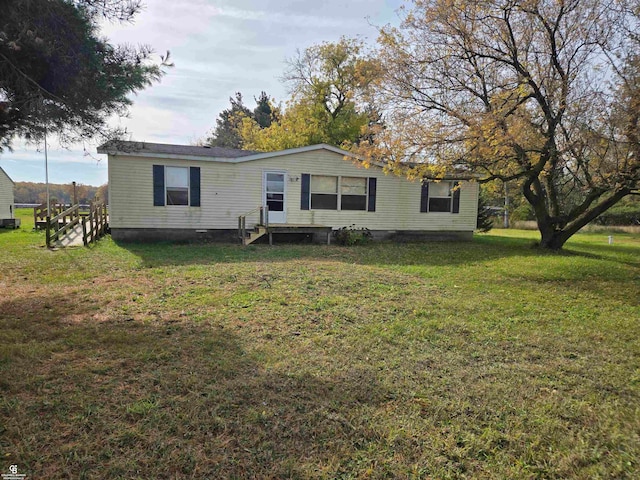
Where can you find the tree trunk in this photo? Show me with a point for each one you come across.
(553, 239)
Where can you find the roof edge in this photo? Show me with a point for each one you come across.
(109, 150)
(7, 175)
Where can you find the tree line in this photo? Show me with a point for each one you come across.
(31, 192)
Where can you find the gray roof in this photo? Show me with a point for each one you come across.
(122, 146)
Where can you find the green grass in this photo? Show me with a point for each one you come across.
(487, 359)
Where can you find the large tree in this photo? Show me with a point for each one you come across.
(227, 130)
(57, 74)
(330, 86)
(544, 92)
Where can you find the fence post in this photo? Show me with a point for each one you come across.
(48, 234)
(91, 222)
(84, 232)
(97, 214)
(103, 210)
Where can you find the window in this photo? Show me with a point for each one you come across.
(324, 192)
(327, 192)
(353, 193)
(440, 197)
(176, 186)
(177, 182)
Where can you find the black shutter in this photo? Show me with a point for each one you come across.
(194, 186)
(456, 198)
(158, 185)
(424, 197)
(371, 204)
(305, 194)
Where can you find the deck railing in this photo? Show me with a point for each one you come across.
(59, 225)
(263, 220)
(41, 212)
(94, 224)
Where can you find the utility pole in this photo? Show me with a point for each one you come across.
(46, 173)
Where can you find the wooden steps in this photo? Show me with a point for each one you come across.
(259, 231)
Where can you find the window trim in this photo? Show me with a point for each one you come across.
(166, 187)
(338, 193)
(365, 194)
(160, 190)
(449, 197)
(453, 197)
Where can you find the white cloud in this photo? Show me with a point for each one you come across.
(219, 47)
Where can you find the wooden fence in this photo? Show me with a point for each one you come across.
(61, 223)
(94, 225)
(41, 212)
(94, 222)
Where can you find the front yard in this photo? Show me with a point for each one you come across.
(439, 360)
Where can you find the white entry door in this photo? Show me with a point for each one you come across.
(274, 195)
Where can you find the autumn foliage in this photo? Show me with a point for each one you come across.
(541, 92)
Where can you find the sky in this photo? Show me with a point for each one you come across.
(218, 47)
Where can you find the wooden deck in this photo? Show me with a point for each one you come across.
(259, 231)
(72, 238)
(68, 228)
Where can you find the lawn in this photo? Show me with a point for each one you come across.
(486, 359)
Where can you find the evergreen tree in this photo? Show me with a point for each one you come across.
(58, 74)
(226, 133)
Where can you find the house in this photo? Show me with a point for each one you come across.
(7, 205)
(160, 192)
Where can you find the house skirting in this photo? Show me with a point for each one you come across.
(175, 235)
(403, 236)
(148, 235)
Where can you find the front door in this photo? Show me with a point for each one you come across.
(274, 195)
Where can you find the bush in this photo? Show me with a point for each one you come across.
(484, 222)
(623, 215)
(352, 236)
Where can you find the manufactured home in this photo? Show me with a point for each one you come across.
(160, 192)
(7, 205)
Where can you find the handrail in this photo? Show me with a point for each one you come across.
(67, 212)
(40, 212)
(57, 231)
(251, 211)
(242, 221)
(95, 223)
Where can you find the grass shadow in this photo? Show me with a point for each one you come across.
(114, 398)
(378, 253)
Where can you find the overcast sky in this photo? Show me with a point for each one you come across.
(218, 47)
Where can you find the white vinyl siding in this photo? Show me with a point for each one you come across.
(231, 189)
(6, 196)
